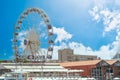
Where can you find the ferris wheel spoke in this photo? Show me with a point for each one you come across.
(31, 38)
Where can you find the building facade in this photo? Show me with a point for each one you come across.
(114, 69)
(37, 71)
(67, 55)
(98, 69)
(84, 57)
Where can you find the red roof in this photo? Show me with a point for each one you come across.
(111, 62)
(80, 63)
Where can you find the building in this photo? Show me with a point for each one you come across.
(84, 57)
(39, 70)
(114, 69)
(98, 69)
(67, 55)
(3, 69)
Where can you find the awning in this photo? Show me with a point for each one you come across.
(2, 67)
(50, 70)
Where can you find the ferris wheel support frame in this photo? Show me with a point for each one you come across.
(17, 27)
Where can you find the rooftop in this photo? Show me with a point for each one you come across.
(111, 62)
(80, 63)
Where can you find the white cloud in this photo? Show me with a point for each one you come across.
(55, 52)
(62, 35)
(94, 13)
(111, 21)
(21, 38)
(78, 48)
(104, 52)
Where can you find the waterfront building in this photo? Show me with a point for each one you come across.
(98, 69)
(41, 71)
(67, 55)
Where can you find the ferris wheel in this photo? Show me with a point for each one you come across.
(29, 39)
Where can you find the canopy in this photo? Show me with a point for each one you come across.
(2, 67)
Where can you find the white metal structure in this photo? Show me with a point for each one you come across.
(31, 39)
(50, 71)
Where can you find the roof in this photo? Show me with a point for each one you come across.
(2, 67)
(48, 67)
(34, 67)
(111, 62)
(45, 70)
(80, 63)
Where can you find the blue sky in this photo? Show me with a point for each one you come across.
(88, 27)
